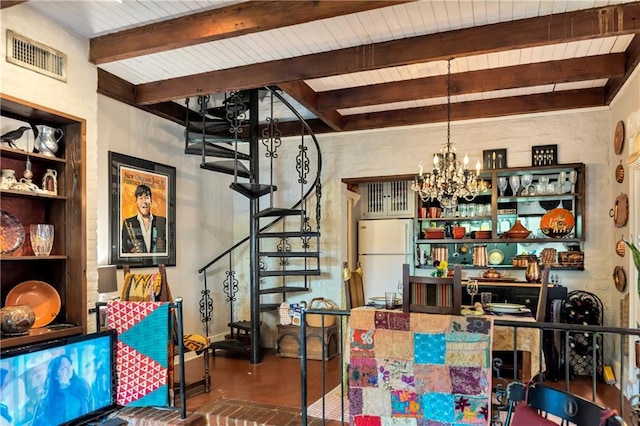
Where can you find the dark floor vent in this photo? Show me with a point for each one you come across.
(36, 56)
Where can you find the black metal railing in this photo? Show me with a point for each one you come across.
(614, 337)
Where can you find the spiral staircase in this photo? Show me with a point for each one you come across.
(284, 225)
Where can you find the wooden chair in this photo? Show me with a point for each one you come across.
(354, 289)
(550, 401)
(154, 287)
(543, 296)
(429, 294)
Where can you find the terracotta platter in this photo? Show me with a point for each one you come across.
(39, 296)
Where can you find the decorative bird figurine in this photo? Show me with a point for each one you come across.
(14, 135)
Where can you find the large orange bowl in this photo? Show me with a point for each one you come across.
(41, 297)
(557, 223)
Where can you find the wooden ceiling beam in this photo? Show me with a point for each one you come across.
(300, 91)
(551, 29)
(231, 21)
(518, 76)
(632, 59)
(544, 102)
(123, 91)
(8, 3)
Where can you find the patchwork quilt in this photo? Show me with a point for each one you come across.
(142, 352)
(419, 369)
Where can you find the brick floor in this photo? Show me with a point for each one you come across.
(230, 412)
(148, 416)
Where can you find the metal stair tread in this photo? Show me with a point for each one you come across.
(277, 212)
(264, 307)
(210, 127)
(230, 345)
(289, 254)
(227, 167)
(240, 325)
(283, 289)
(225, 139)
(212, 150)
(290, 273)
(253, 190)
(289, 234)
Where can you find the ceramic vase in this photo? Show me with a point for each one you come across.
(8, 178)
(50, 181)
(16, 320)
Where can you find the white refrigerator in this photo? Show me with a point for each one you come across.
(383, 246)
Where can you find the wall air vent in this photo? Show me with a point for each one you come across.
(36, 56)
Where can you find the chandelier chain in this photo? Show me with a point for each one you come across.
(450, 179)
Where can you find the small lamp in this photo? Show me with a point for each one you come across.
(107, 279)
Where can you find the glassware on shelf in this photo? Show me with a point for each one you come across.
(562, 179)
(526, 181)
(472, 289)
(41, 238)
(514, 181)
(573, 178)
(502, 184)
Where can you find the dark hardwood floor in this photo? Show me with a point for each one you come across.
(276, 381)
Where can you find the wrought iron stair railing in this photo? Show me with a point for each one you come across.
(234, 132)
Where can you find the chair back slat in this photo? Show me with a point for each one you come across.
(417, 292)
(564, 405)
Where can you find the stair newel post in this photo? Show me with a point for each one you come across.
(254, 208)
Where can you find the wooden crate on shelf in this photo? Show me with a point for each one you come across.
(571, 258)
(289, 342)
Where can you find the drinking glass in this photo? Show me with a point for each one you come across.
(514, 181)
(41, 235)
(485, 298)
(573, 178)
(526, 181)
(502, 184)
(472, 289)
(562, 179)
(390, 300)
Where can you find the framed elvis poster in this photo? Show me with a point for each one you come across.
(142, 203)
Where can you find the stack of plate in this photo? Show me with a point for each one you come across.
(378, 301)
(505, 308)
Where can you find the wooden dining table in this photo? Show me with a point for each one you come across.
(527, 342)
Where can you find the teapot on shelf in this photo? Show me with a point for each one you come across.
(25, 185)
(492, 273)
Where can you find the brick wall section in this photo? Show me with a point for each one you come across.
(229, 412)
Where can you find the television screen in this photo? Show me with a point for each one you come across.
(65, 381)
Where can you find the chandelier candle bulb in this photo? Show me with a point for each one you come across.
(466, 161)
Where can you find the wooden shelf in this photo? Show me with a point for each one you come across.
(19, 154)
(35, 335)
(28, 194)
(65, 270)
(27, 258)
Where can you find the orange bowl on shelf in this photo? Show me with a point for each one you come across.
(557, 223)
(458, 232)
(434, 234)
(41, 297)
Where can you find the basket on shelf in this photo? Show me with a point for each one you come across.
(315, 320)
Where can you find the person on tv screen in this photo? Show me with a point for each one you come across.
(144, 232)
(67, 394)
